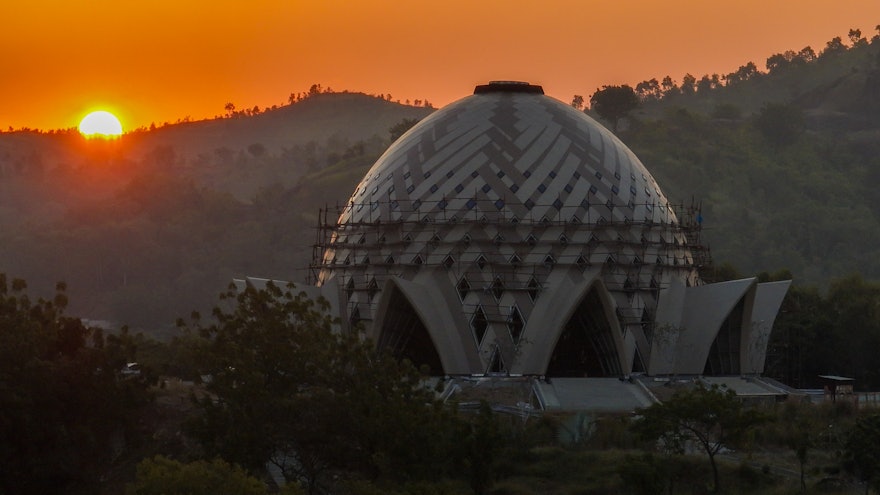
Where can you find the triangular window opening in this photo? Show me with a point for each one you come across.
(638, 363)
(582, 262)
(435, 238)
(479, 325)
(533, 289)
(498, 288)
(647, 325)
(407, 238)
(363, 239)
(499, 239)
(466, 239)
(549, 260)
(355, 317)
(575, 220)
(531, 240)
(389, 260)
(347, 260)
(349, 288)
(563, 239)
(463, 288)
(372, 289)
(366, 260)
(496, 363)
(417, 260)
(515, 324)
(448, 261)
(545, 220)
(515, 260)
(610, 260)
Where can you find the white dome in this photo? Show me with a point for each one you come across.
(508, 232)
(508, 152)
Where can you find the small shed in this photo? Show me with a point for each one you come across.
(835, 386)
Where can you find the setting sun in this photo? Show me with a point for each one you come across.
(100, 124)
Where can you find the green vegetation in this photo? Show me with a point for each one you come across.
(711, 418)
(64, 403)
(333, 416)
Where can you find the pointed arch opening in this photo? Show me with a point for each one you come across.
(724, 355)
(405, 336)
(586, 346)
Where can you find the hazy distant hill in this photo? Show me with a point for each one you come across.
(786, 165)
(343, 116)
(150, 227)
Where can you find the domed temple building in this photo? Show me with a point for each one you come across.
(511, 235)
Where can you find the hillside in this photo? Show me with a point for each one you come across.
(146, 229)
(784, 164)
(346, 117)
(152, 226)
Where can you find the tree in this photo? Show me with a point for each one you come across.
(780, 124)
(648, 90)
(614, 102)
(807, 54)
(744, 73)
(855, 37)
(668, 87)
(833, 46)
(400, 128)
(230, 109)
(161, 476)
(62, 397)
(688, 84)
(577, 101)
(799, 426)
(710, 417)
(288, 388)
(862, 451)
(481, 443)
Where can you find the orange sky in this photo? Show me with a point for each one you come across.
(162, 60)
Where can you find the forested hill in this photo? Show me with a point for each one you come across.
(144, 230)
(786, 161)
(149, 227)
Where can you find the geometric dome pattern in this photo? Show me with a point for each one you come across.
(509, 155)
(511, 233)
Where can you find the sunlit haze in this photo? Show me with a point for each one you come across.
(171, 60)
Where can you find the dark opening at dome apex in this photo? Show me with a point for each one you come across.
(508, 87)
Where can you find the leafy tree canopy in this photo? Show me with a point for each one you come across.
(862, 451)
(288, 388)
(709, 417)
(61, 394)
(614, 102)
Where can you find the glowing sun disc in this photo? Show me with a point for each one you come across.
(100, 124)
